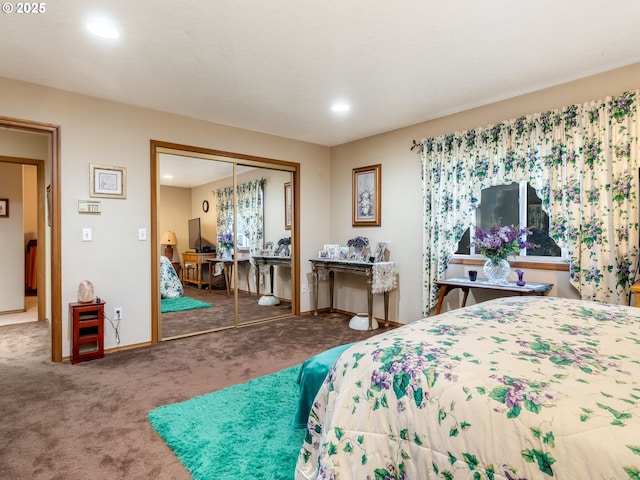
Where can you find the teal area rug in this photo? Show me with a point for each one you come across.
(181, 303)
(241, 432)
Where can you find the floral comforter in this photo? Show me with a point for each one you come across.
(170, 284)
(514, 388)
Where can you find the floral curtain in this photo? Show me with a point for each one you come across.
(582, 161)
(250, 198)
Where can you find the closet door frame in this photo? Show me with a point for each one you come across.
(156, 148)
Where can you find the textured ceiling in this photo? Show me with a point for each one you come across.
(276, 66)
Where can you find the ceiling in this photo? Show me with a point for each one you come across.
(277, 66)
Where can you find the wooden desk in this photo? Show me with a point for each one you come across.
(465, 284)
(270, 261)
(196, 259)
(635, 288)
(227, 270)
(357, 268)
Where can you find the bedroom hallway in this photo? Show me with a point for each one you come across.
(29, 315)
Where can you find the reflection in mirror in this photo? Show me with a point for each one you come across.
(186, 207)
(198, 192)
(264, 270)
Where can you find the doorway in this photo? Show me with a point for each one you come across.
(231, 286)
(48, 225)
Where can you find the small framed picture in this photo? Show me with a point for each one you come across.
(366, 196)
(333, 250)
(107, 181)
(323, 254)
(288, 211)
(4, 207)
(344, 253)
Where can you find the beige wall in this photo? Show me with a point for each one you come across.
(402, 194)
(174, 211)
(101, 132)
(12, 240)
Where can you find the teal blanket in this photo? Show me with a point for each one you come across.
(310, 378)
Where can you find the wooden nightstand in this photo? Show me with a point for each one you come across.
(635, 288)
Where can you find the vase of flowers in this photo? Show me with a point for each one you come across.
(497, 244)
(225, 246)
(284, 247)
(358, 244)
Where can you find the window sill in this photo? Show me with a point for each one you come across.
(557, 266)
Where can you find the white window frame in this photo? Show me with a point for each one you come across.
(522, 214)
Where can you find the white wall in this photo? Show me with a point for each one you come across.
(12, 240)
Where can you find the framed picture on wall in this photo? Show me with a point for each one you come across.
(366, 196)
(107, 181)
(288, 212)
(4, 207)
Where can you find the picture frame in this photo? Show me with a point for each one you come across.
(323, 254)
(4, 207)
(107, 181)
(366, 203)
(332, 250)
(288, 213)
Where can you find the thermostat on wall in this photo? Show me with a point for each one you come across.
(89, 206)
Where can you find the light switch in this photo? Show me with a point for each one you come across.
(86, 234)
(142, 234)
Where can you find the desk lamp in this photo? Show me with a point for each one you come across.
(169, 239)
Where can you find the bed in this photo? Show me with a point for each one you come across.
(514, 388)
(170, 284)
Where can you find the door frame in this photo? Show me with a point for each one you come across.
(157, 147)
(54, 246)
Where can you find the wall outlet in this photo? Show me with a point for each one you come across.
(117, 313)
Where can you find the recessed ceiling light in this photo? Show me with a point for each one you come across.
(168, 176)
(341, 107)
(103, 29)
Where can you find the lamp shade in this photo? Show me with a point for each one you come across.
(169, 238)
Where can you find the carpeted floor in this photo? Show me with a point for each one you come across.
(69, 422)
(242, 431)
(219, 315)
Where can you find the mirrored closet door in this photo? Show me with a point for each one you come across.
(228, 221)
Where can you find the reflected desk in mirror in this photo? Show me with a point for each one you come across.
(227, 270)
(192, 270)
(263, 261)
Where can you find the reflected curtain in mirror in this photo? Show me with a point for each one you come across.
(250, 211)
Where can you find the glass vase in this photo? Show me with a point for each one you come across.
(497, 271)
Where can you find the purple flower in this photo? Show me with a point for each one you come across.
(500, 242)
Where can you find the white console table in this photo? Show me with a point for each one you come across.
(370, 270)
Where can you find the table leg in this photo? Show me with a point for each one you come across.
(444, 289)
(370, 306)
(247, 267)
(386, 309)
(315, 291)
(464, 297)
(258, 279)
(225, 272)
(331, 282)
(271, 277)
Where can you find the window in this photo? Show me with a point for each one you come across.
(514, 204)
(243, 240)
